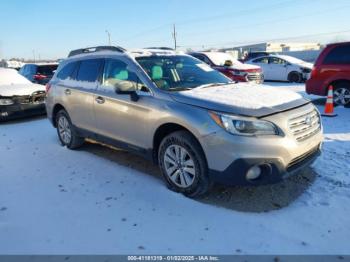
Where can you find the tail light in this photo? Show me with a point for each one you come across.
(48, 87)
(313, 72)
(39, 77)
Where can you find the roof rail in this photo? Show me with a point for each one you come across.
(161, 48)
(96, 49)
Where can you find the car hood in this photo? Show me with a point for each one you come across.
(241, 99)
(20, 89)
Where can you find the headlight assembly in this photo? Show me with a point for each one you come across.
(6, 101)
(244, 126)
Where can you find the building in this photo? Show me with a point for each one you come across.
(274, 47)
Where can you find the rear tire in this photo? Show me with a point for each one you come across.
(295, 77)
(66, 131)
(341, 94)
(183, 164)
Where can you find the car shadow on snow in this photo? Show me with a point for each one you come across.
(238, 198)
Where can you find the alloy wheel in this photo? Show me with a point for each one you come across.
(179, 166)
(342, 96)
(64, 130)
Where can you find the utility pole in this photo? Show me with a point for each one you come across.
(174, 36)
(109, 37)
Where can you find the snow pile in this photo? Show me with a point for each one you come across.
(244, 95)
(11, 77)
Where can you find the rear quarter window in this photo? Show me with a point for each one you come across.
(47, 69)
(90, 70)
(338, 55)
(67, 71)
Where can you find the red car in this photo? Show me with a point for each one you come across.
(232, 68)
(332, 67)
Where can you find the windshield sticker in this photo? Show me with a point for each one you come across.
(205, 67)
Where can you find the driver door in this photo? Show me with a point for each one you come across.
(119, 117)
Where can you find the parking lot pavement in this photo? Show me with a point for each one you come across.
(99, 200)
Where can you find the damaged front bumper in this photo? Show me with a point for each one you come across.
(23, 106)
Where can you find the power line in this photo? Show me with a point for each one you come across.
(216, 17)
(266, 22)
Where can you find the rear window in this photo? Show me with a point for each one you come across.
(67, 71)
(46, 69)
(89, 70)
(338, 55)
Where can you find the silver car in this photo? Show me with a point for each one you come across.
(191, 120)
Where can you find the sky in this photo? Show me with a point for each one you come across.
(50, 29)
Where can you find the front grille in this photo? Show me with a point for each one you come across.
(305, 125)
(300, 160)
(254, 77)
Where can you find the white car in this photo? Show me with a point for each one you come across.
(18, 96)
(283, 68)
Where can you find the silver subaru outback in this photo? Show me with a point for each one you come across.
(196, 124)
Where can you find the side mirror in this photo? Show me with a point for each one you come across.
(120, 90)
(228, 63)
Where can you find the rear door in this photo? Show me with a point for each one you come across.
(78, 91)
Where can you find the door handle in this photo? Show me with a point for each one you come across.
(67, 92)
(100, 100)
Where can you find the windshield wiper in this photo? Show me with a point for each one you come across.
(211, 85)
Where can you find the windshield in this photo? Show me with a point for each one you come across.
(179, 72)
(219, 58)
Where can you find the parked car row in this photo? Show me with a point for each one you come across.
(187, 113)
(199, 126)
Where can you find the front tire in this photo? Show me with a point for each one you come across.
(341, 94)
(66, 132)
(295, 77)
(183, 164)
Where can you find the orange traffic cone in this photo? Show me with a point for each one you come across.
(329, 107)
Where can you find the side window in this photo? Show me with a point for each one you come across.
(67, 71)
(277, 61)
(262, 60)
(203, 58)
(89, 70)
(118, 75)
(338, 55)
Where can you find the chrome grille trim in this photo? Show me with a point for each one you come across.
(305, 126)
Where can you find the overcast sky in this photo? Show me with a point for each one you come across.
(49, 29)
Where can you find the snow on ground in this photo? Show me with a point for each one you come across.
(99, 201)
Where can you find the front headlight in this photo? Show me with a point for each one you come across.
(244, 126)
(305, 70)
(6, 102)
